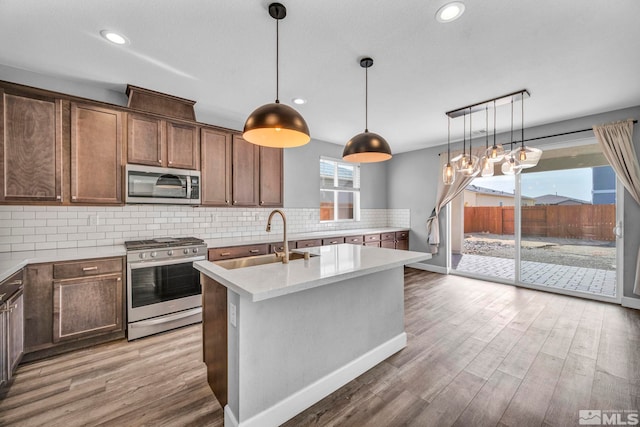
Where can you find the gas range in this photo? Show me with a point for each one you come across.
(163, 248)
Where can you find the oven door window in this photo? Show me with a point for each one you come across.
(152, 285)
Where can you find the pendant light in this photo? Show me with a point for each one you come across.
(473, 164)
(487, 165)
(448, 171)
(527, 156)
(276, 125)
(366, 147)
(511, 165)
(496, 152)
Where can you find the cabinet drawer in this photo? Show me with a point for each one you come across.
(391, 244)
(371, 238)
(216, 254)
(94, 267)
(402, 235)
(333, 241)
(388, 236)
(308, 243)
(354, 240)
(374, 244)
(278, 247)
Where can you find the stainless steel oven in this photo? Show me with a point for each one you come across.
(163, 288)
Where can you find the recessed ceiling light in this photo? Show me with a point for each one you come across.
(299, 101)
(450, 12)
(114, 37)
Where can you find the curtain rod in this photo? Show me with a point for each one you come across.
(562, 134)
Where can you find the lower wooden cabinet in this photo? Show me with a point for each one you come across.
(70, 305)
(217, 254)
(86, 306)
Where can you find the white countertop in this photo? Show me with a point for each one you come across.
(334, 263)
(10, 262)
(277, 236)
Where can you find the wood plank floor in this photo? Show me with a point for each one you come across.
(479, 354)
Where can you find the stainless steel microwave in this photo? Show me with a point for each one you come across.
(150, 184)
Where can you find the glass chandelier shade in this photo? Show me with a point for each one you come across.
(276, 125)
(488, 167)
(527, 156)
(511, 166)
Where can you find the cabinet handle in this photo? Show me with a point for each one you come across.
(15, 282)
(89, 268)
(74, 197)
(225, 254)
(261, 202)
(159, 160)
(254, 251)
(235, 202)
(9, 309)
(119, 279)
(226, 201)
(354, 240)
(334, 242)
(58, 197)
(170, 162)
(2, 296)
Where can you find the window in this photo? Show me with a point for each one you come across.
(339, 190)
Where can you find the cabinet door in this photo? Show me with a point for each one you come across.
(270, 176)
(15, 340)
(144, 140)
(402, 244)
(391, 244)
(183, 146)
(38, 309)
(86, 306)
(215, 152)
(96, 154)
(30, 148)
(245, 161)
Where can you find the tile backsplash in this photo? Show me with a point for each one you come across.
(25, 228)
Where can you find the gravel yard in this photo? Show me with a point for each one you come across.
(577, 253)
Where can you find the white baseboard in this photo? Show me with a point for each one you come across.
(631, 302)
(301, 400)
(429, 267)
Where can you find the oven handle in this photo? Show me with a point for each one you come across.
(166, 319)
(145, 264)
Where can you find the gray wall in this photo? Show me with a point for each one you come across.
(302, 177)
(413, 181)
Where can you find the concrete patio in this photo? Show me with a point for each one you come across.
(590, 280)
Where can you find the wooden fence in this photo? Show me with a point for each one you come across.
(588, 222)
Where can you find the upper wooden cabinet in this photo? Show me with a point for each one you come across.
(246, 172)
(157, 142)
(30, 148)
(270, 176)
(96, 154)
(215, 167)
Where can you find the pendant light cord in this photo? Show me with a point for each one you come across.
(486, 125)
(470, 137)
(511, 144)
(494, 123)
(522, 125)
(366, 99)
(277, 61)
(464, 134)
(448, 140)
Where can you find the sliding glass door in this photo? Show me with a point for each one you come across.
(552, 227)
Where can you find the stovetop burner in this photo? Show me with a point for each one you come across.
(162, 242)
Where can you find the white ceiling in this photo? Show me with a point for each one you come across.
(576, 57)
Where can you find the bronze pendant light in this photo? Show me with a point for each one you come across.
(276, 125)
(366, 147)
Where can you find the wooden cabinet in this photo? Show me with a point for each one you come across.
(72, 304)
(215, 165)
(271, 170)
(214, 336)
(388, 240)
(372, 240)
(332, 241)
(216, 254)
(354, 240)
(87, 306)
(11, 325)
(308, 243)
(158, 142)
(246, 170)
(96, 155)
(30, 147)
(402, 240)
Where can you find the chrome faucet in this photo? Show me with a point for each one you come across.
(285, 255)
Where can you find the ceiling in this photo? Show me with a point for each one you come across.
(576, 58)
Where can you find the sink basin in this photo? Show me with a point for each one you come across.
(232, 264)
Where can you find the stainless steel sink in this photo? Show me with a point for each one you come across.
(232, 264)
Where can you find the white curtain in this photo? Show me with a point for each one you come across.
(446, 193)
(616, 140)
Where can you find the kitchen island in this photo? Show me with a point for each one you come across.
(279, 337)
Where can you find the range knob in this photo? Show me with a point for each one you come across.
(170, 252)
(142, 255)
(153, 254)
(195, 250)
(185, 251)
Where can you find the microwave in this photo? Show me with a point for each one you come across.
(151, 184)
